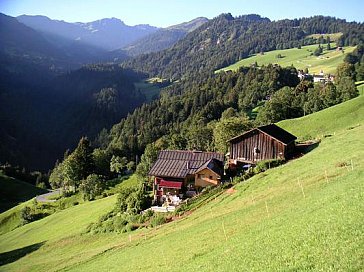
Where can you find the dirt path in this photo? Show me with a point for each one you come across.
(44, 197)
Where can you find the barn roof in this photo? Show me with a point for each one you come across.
(273, 131)
(180, 163)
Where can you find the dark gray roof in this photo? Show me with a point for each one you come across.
(214, 165)
(272, 130)
(180, 163)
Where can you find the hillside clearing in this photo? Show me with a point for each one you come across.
(333, 36)
(151, 87)
(299, 58)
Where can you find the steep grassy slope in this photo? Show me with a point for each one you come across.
(303, 216)
(11, 219)
(14, 191)
(299, 58)
(327, 122)
(59, 225)
(287, 218)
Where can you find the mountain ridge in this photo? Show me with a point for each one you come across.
(107, 33)
(164, 38)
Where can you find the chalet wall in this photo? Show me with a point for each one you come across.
(206, 177)
(265, 146)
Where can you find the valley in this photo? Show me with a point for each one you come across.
(230, 143)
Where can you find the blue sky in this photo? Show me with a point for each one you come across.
(168, 12)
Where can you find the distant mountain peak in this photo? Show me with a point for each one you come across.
(108, 33)
(111, 20)
(190, 25)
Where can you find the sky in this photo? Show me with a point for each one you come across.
(163, 13)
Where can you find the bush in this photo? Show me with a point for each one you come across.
(92, 186)
(28, 215)
(132, 200)
(120, 222)
(157, 219)
(267, 164)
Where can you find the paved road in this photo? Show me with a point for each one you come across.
(44, 197)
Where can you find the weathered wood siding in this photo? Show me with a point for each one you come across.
(265, 146)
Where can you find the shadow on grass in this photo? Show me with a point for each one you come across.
(306, 147)
(14, 255)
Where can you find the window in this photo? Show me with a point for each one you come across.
(211, 177)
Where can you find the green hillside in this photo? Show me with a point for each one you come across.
(15, 191)
(303, 216)
(299, 58)
(328, 121)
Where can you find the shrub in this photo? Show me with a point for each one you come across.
(120, 222)
(267, 164)
(28, 214)
(92, 186)
(132, 200)
(157, 219)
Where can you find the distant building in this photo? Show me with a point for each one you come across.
(321, 77)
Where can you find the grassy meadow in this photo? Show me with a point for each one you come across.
(305, 215)
(150, 88)
(299, 58)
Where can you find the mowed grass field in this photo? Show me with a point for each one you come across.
(299, 58)
(306, 215)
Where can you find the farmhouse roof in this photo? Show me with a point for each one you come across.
(273, 131)
(180, 163)
(214, 165)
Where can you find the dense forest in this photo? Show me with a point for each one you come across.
(225, 40)
(43, 118)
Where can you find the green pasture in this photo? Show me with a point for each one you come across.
(299, 58)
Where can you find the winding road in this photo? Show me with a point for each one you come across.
(44, 197)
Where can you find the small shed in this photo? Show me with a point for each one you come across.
(261, 143)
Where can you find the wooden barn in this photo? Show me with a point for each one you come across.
(261, 143)
(177, 172)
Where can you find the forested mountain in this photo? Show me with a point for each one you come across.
(225, 39)
(186, 108)
(108, 33)
(40, 121)
(163, 38)
(44, 107)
